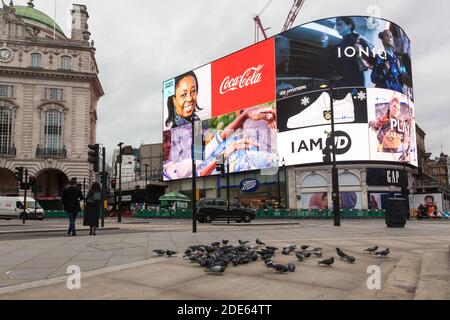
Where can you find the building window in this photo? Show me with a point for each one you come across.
(53, 130)
(66, 63)
(5, 130)
(35, 60)
(6, 91)
(54, 94)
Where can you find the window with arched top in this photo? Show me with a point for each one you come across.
(314, 181)
(66, 63)
(6, 143)
(36, 60)
(349, 179)
(53, 130)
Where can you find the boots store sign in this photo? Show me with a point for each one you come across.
(249, 185)
(275, 88)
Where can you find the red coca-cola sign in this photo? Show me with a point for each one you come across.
(244, 79)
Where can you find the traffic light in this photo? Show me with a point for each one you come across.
(221, 168)
(19, 174)
(94, 152)
(113, 183)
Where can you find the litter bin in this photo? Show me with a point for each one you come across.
(396, 212)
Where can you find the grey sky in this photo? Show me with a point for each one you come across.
(141, 43)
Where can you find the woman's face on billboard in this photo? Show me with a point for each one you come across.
(394, 109)
(185, 98)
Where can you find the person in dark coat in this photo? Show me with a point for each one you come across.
(71, 198)
(93, 207)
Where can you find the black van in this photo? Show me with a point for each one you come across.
(210, 209)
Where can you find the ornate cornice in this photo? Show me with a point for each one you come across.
(55, 74)
(49, 43)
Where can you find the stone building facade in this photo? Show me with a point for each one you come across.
(49, 89)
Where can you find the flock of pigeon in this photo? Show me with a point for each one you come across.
(215, 258)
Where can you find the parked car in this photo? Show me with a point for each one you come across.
(12, 207)
(210, 209)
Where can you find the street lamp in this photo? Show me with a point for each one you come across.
(286, 200)
(334, 170)
(146, 166)
(279, 187)
(405, 190)
(119, 215)
(194, 186)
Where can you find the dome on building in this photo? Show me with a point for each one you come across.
(29, 14)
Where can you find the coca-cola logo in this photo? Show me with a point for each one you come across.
(249, 185)
(250, 77)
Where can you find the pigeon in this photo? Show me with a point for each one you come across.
(269, 263)
(383, 253)
(160, 252)
(267, 256)
(260, 242)
(350, 259)
(217, 269)
(242, 242)
(318, 253)
(286, 251)
(291, 266)
(340, 253)
(327, 262)
(371, 249)
(304, 247)
(215, 244)
(280, 268)
(170, 253)
(271, 248)
(307, 254)
(225, 242)
(300, 256)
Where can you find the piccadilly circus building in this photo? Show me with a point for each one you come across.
(49, 89)
(279, 114)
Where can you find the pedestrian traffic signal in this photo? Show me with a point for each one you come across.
(19, 174)
(113, 183)
(94, 152)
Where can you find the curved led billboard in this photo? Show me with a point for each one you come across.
(267, 103)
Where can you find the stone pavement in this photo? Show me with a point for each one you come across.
(123, 266)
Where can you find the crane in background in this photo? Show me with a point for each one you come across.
(295, 9)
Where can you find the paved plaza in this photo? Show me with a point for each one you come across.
(119, 263)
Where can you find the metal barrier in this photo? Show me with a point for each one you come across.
(273, 214)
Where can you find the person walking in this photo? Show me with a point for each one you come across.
(71, 198)
(93, 207)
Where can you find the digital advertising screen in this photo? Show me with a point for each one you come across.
(270, 103)
(357, 51)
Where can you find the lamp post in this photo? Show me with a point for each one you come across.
(194, 186)
(146, 166)
(228, 189)
(279, 187)
(405, 190)
(334, 170)
(119, 214)
(286, 200)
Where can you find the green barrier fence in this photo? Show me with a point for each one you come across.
(263, 214)
(274, 214)
(59, 214)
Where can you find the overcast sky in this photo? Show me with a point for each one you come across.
(141, 43)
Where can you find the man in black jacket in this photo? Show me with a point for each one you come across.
(71, 198)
